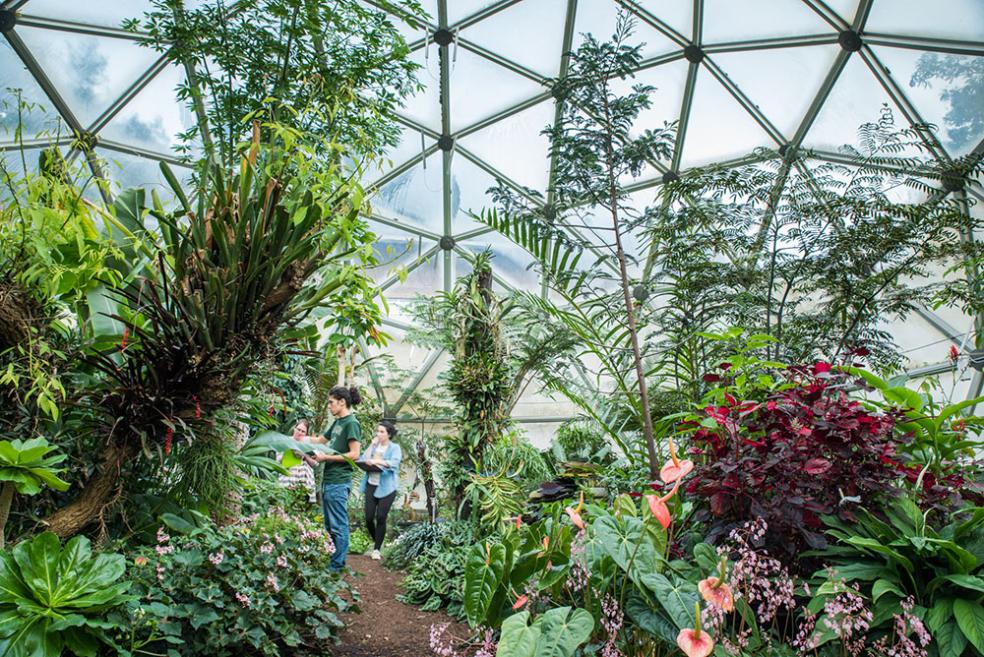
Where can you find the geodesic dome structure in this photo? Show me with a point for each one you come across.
(738, 76)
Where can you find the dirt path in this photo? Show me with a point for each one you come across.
(387, 627)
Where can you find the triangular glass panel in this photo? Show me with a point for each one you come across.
(677, 15)
(395, 251)
(89, 72)
(412, 145)
(128, 171)
(23, 101)
(725, 20)
(845, 9)
(480, 89)
(719, 128)
(600, 18)
(945, 90)
(153, 118)
(855, 100)
(509, 261)
(959, 19)
(16, 163)
(781, 82)
(530, 33)
(459, 9)
(425, 106)
(426, 276)
(515, 147)
(472, 184)
(416, 197)
(105, 14)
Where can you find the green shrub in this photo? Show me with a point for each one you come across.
(262, 585)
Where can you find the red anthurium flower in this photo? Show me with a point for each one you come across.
(519, 521)
(695, 642)
(716, 592)
(954, 353)
(675, 469)
(575, 517)
(520, 601)
(725, 366)
(712, 378)
(657, 506)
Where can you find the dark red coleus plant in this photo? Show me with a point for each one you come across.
(797, 454)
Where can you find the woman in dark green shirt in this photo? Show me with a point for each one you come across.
(343, 437)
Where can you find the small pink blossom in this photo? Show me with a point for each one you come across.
(216, 557)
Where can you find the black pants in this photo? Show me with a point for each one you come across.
(376, 511)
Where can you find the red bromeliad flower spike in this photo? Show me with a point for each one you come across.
(695, 642)
(675, 469)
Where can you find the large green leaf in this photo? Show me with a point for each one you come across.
(484, 570)
(650, 619)
(970, 618)
(677, 598)
(562, 631)
(517, 638)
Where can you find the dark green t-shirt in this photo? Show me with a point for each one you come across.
(342, 431)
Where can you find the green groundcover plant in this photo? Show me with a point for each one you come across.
(260, 586)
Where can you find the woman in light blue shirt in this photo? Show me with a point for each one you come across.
(380, 487)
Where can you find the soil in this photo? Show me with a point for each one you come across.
(387, 627)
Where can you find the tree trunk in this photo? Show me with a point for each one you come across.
(6, 497)
(97, 495)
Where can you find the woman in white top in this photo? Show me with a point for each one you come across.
(380, 487)
(301, 475)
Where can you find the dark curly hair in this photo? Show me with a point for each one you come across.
(350, 396)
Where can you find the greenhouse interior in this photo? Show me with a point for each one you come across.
(509, 328)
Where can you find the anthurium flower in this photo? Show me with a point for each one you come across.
(520, 601)
(519, 521)
(657, 506)
(575, 517)
(695, 642)
(954, 353)
(716, 592)
(675, 469)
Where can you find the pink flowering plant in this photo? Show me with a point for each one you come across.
(260, 586)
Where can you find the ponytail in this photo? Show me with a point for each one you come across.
(350, 396)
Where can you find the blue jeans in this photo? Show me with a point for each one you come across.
(334, 499)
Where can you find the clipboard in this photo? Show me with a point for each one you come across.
(367, 467)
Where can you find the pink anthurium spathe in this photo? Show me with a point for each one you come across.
(575, 514)
(520, 601)
(716, 592)
(695, 642)
(657, 505)
(675, 469)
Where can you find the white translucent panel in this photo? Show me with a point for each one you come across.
(154, 117)
(678, 15)
(411, 145)
(23, 101)
(947, 19)
(947, 90)
(16, 163)
(472, 185)
(845, 9)
(415, 197)
(719, 128)
(425, 106)
(530, 33)
(101, 12)
(480, 89)
(127, 171)
(515, 145)
(509, 261)
(667, 81)
(856, 99)
(89, 72)
(781, 82)
(395, 250)
(426, 277)
(459, 9)
(599, 18)
(726, 20)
